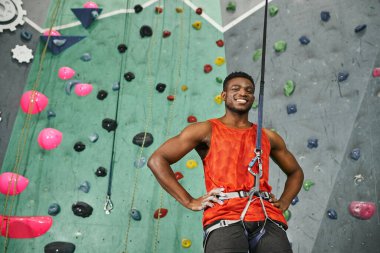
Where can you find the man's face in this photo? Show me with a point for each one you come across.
(239, 95)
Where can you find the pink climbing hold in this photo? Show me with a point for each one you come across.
(12, 183)
(66, 73)
(33, 102)
(362, 210)
(83, 89)
(49, 138)
(376, 72)
(90, 5)
(52, 33)
(23, 227)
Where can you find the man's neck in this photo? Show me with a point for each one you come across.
(236, 120)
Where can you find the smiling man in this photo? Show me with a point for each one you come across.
(235, 219)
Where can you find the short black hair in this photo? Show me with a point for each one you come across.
(237, 74)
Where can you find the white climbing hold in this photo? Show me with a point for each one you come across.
(11, 14)
(22, 54)
(358, 179)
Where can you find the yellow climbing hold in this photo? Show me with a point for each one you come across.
(186, 243)
(218, 99)
(191, 164)
(220, 61)
(197, 25)
(184, 87)
(179, 10)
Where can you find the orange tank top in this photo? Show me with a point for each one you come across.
(226, 165)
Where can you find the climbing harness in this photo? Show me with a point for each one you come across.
(255, 190)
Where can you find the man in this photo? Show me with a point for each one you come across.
(226, 146)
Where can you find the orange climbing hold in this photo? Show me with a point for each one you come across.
(184, 87)
(160, 213)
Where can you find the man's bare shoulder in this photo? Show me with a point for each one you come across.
(199, 129)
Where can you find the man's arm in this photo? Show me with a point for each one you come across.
(172, 151)
(289, 165)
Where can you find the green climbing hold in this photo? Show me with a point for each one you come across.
(307, 184)
(280, 46)
(231, 7)
(255, 105)
(273, 9)
(257, 54)
(287, 214)
(289, 88)
(218, 79)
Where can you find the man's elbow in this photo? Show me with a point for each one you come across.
(152, 162)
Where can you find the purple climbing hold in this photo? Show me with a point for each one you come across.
(79, 146)
(102, 94)
(360, 28)
(312, 143)
(362, 210)
(332, 214)
(325, 16)
(291, 108)
(295, 200)
(109, 124)
(304, 40)
(342, 76)
(101, 172)
(355, 154)
(82, 209)
(160, 87)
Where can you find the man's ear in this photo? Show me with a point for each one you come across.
(223, 95)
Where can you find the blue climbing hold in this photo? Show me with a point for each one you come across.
(85, 187)
(50, 114)
(140, 162)
(54, 209)
(135, 214)
(342, 76)
(116, 86)
(26, 35)
(295, 200)
(355, 154)
(360, 28)
(291, 108)
(304, 40)
(332, 214)
(86, 57)
(325, 16)
(312, 143)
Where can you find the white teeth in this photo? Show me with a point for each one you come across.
(241, 101)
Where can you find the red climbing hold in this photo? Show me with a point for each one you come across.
(170, 97)
(178, 175)
(199, 11)
(192, 119)
(158, 10)
(376, 72)
(220, 43)
(166, 33)
(25, 227)
(207, 68)
(160, 213)
(362, 210)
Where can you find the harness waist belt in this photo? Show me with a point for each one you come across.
(244, 194)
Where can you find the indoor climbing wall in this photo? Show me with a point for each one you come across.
(124, 76)
(322, 96)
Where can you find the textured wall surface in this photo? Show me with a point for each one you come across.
(341, 115)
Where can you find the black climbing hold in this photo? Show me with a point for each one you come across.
(160, 87)
(102, 94)
(26, 35)
(304, 40)
(325, 16)
(86, 57)
(79, 146)
(291, 108)
(360, 28)
(85, 187)
(54, 209)
(342, 76)
(139, 139)
(135, 214)
(146, 31)
(122, 48)
(109, 124)
(138, 8)
(59, 247)
(129, 76)
(355, 154)
(50, 114)
(101, 172)
(312, 143)
(82, 209)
